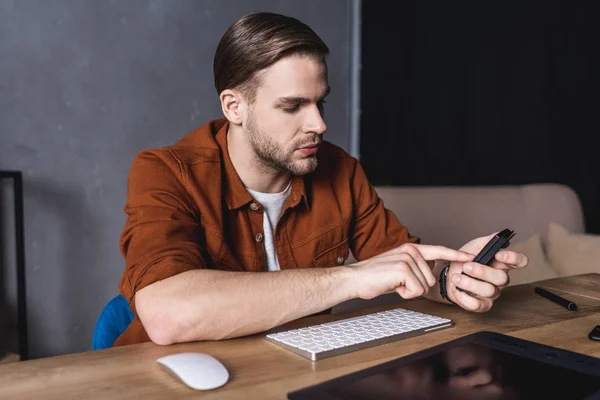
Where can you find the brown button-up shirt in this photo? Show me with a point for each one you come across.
(187, 208)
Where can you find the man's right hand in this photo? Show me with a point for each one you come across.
(405, 270)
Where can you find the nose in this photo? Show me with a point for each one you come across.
(315, 122)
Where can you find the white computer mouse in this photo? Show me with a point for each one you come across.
(197, 370)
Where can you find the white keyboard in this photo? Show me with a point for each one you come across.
(343, 336)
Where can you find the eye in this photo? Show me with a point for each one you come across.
(321, 105)
(291, 110)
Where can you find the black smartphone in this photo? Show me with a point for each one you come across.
(500, 240)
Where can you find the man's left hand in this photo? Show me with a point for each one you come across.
(482, 284)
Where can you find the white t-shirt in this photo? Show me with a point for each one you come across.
(273, 203)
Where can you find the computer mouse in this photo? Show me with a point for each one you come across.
(197, 370)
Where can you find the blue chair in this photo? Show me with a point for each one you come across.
(112, 322)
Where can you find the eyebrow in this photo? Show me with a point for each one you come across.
(301, 100)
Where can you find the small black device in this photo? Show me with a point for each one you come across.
(595, 333)
(501, 240)
(482, 365)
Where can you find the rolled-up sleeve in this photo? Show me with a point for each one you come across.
(375, 229)
(162, 235)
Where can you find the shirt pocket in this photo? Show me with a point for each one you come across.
(335, 255)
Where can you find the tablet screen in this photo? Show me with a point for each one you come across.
(471, 371)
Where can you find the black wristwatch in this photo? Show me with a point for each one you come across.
(443, 284)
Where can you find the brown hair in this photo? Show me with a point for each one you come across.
(256, 41)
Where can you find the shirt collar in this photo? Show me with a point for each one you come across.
(236, 195)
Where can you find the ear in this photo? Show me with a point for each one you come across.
(232, 105)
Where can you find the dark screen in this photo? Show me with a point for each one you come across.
(472, 372)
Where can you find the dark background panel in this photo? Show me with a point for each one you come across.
(482, 93)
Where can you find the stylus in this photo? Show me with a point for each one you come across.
(569, 305)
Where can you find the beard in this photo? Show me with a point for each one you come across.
(272, 155)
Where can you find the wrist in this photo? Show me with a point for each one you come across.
(438, 266)
(346, 280)
(443, 284)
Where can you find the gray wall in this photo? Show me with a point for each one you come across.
(84, 86)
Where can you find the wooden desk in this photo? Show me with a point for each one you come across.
(262, 370)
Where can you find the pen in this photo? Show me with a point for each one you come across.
(569, 305)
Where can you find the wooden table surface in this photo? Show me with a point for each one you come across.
(261, 370)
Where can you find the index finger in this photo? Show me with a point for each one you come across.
(432, 252)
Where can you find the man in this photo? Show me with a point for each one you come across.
(246, 222)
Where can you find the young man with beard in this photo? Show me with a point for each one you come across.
(246, 222)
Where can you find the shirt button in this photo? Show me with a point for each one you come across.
(259, 237)
(253, 207)
(340, 260)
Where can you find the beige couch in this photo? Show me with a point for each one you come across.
(547, 218)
